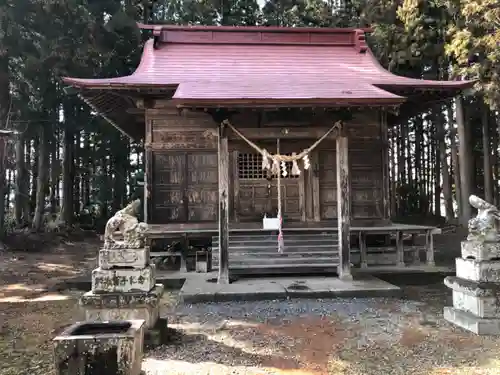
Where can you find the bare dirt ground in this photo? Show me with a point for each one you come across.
(32, 310)
(294, 337)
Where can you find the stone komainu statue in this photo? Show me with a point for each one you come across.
(483, 227)
(125, 221)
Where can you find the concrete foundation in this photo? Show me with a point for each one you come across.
(200, 288)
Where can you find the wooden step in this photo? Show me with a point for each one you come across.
(278, 261)
(275, 236)
(258, 252)
(272, 242)
(272, 247)
(281, 268)
(275, 254)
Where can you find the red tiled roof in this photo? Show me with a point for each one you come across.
(229, 64)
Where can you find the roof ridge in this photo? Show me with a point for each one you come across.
(278, 29)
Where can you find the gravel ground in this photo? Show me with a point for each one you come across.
(316, 337)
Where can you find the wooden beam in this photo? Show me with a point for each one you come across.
(223, 153)
(278, 132)
(343, 208)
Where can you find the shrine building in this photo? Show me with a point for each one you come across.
(270, 142)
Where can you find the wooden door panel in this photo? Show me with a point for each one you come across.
(202, 186)
(185, 187)
(168, 188)
(327, 184)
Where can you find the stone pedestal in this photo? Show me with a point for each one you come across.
(123, 306)
(123, 280)
(476, 288)
(124, 288)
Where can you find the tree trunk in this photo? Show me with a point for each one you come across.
(67, 175)
(419, 166)
(77, 172)
(445, 172)
(5, 104)
(20, 190)
(119, 160)
(465, 155)
(487, 170)
(41, 185)
(54, 170)
(34, 144)
(86, 177)
(494, 157)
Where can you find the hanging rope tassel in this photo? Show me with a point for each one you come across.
(275, 169)
(306, 161)
(265, 160)
(284, 173)
(295, 166)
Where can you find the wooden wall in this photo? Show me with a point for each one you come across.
(182, 178)
(182, 168)
(366, 171)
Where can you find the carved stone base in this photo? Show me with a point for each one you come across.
(470, 322)
(123, 280)
(480, 250)
(473, 270)
(123, 306)
(134, 258)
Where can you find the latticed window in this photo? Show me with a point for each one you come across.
(250, 167)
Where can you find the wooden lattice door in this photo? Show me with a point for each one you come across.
(258, 193)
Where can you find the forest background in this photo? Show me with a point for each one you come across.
(66, 167)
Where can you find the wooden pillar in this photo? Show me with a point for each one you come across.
(400, 251)
(148, 172)
(148, 185)
(223, 153)
(429, 248)
(385, 166)
(362, 249)
(343, 207)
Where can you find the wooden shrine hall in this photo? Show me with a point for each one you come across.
(271, 142)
